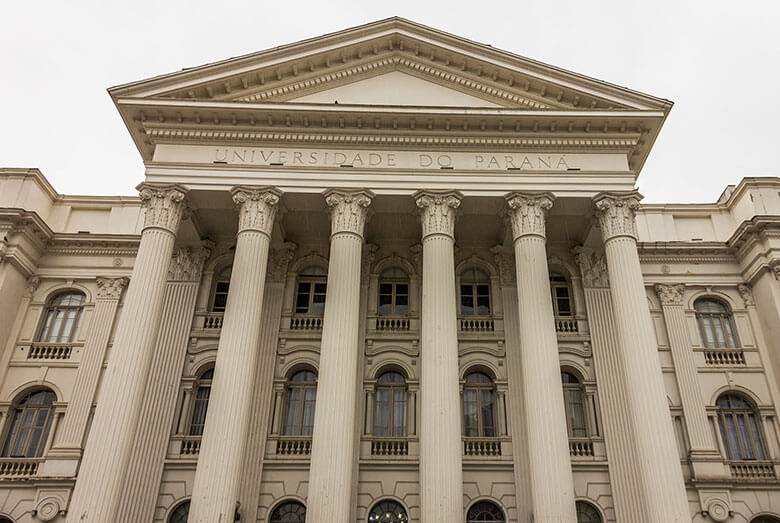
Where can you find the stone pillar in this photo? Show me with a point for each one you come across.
(218, 476)
(656, 456)
(441, 443)
(706, 462)
(552, 484)
(74, 425)
(104, 465)
(147, 459)
(333, 438)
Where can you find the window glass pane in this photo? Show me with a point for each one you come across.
(467, 304)
(382, 414)
(576, 413)
(385, 288)
(385, 304)
(302, 300)
(308, 411)
(470, 421)
(484, 512)
(402, 309)
(755, 437)
(725, 438)
(730, 341)
(56, 326)
(732, 439)
(293, 404)
(399, 412)
(401, 288)
(709, 335)
(488, 424)
(483, 305)
(744, 437)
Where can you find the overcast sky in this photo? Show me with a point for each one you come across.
(718, 61)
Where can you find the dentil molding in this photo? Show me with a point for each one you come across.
(670, 294)
(257, 207)
(348, 210)
(165, 206)
(437, 211)
(110, 288)
(616, 213)
(527, 212)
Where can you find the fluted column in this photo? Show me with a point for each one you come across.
(705, 458)
(333, 438)
(552, 485)
(441, 474)
(104, 465)
(218, 476)
(74, 425)
(656, 457)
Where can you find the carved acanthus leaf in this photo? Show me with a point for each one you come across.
(257, 207)
(670, 294)
(527, 212)
(437, 211)
(348, 210)
(279, 260)
(746, 294)
(617, 214)
(31, 286)
(110, 288)
(506, 264)
(187, 262)
(165, 206)
(593, 267)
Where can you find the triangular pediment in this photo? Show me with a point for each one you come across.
(429, 66)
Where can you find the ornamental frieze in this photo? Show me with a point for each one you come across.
(110, 288)
(670, 294)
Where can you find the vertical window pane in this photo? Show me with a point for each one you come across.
(755, 437)
(293, 404)
(488, 423)
(399, 413)
(308, 411)
(470, 421)
(382, 414)
(744, 437)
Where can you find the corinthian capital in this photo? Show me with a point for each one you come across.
(593, 267)
(437, 211)
(617, 213)
(257, 207)
(165, 206)
(348, 210)
(110, 288)
(527, 212)
(670, 294)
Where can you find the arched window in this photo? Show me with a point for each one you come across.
(301, 398)
(221, 287)
(387, 511)
(573, 398)
(30, 424)
(716, 323)
(474, 293)
(587, 513)
(180, 513)
(4, 519)
(310, 294)
(478, 412)
(484, 512)
(738, 420)
(390, 415)
(393, 292)
(765, 518)
(289, 512)
(201, 393)
(559, 287)
(62, 318)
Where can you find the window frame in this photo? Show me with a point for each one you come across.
(312, 280)
(177, 506)
(717, 320)
(592, 506)
(758, 448)
(394, 282)
(301, 386)
(474, 284)
(382, 501)
(51, 310)
(479, 388)
(485, 502)
(12, 431)
(391, 387)
(565, 284)
(284, 502)
(568, 389)
(201, 382)
(220, 278)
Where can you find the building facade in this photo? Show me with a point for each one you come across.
(388, 275)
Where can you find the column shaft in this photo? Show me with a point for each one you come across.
(656, 450)
(333, 439)
(552, 484)
(218, 476)
(441, 443)
(104, 465)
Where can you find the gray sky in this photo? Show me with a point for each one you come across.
(718, 61)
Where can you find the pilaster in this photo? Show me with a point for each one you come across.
(217, 486)
(441, 474)
(552, 484)
(333, 444)
(104, 465)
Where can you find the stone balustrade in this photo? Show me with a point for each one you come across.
(724, 357)
(752, 470)
(306, 323)
(190, 446)
(50, 351)
(476, 324)
(389, 447)
(18, 467)
(392, 324)
(294, 446)
(581, 447)
(566, 325)
(481, 447)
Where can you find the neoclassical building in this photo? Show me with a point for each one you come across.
(387, 275)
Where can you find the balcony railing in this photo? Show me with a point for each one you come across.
(389, 447)
(566, 325)
(50, 351)
(294, 446)
(306, 323)
(752, 470)
(18, 467)
(190, 446)
(213, 320)
(476, 324)
(481, 447)
(581, 448)
(392, 324)
(724, 357)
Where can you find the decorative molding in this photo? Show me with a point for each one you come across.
(257, 207)
(165, 206)
(437, 211)
(527, 212)
(110, 288)
(348, 210)
(94, 245)
(617, 214)
(279, 260)
(747, 295)
(593, 267)
(367, 261)
(505, 261)
(187, 263)
(31, 286)
(670, 294)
